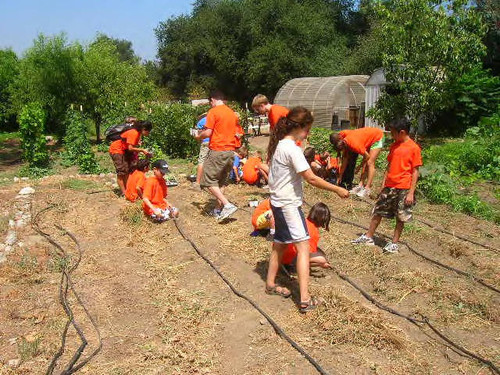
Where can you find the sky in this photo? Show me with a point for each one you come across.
(135, 20)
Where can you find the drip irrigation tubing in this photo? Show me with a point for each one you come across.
(446, 231)
(66, 285)
(275, 325)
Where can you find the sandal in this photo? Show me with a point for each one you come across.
(278, 291)
(310, 305)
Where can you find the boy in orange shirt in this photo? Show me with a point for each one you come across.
(254, 169)
(154, 198)
(367, 142)
(273, 112)
(135, 182)
(319, 217)
(400, 181)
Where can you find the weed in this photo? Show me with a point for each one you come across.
(76, 184)
(132, 215)
(28, 262)
(29, 349)
(59, 263)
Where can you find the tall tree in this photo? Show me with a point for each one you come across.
(9, 70)
(123, 48)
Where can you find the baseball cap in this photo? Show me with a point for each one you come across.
(162, 165)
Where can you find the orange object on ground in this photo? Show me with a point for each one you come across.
(263, 206)
(291, 250)
(360, 140)
(403, 158)
(224, 124)
(250, 172)
(275, 113)
(155, 189)
(136, 179)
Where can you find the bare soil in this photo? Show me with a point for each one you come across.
(162, 310)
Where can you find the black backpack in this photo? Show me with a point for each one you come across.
(114, 132)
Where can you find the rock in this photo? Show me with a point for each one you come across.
(20, 244)
(16, 179)
(11, 238)
(12, 224)
(13, 340)
(114, 186)
(28, 190)
(7, 249)
(108, 184)
(3, 258)
(102, 175)
(263, 321)
(111, 174)
(71, 176)
(25, 178)
(14, 362)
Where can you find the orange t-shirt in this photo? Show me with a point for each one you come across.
(360, 140)
(129, 137)
(291, 250)
(333, 163)
(324, 163)
(155, 189)
(275, 113)
(224, 124)
(250, 174)
(263, 206)
(343, 133)
(403, 158)
(136, 179)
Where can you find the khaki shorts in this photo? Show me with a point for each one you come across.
(203, 153)
(121, 164)
(391, 203)
(216, 168)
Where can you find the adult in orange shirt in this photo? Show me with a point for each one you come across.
(274, 112)
(400, 181)
(367, 142)
(222, 127)
(136, 180)
(262, 217)
(254, 169)
(124, 151)
(154, 198)
(319, 217)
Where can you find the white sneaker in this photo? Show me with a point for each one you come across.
(391, 248)
(363, 193)
(356, 189)
(227, 211)
(363, 240)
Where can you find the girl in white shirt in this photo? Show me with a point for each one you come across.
(288, 167)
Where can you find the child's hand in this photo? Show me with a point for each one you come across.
(343, 193)
(410, 199)
(157, 211)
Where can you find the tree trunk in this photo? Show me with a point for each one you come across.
(97, 122)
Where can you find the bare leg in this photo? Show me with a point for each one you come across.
(371, 166)
(303, 269)
(397, 232)
(216, 191)
(121, 180)
(274, 263)
(374, 225)
(199, 173)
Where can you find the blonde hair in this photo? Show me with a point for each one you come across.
(258, 100)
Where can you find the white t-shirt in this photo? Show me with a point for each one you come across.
(285, 182)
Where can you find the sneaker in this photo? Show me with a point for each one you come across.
(363, 192)
(215, 212)
(356, 190)
(227, 211)
(363, 240)
(391, 248)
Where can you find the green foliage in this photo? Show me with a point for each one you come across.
(9, 70)
(77, 145)
(76, 184)
(123, 47)
(319, 138)
(426, 45)
(31, 128)
(170, 135)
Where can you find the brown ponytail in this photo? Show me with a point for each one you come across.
(298, 117)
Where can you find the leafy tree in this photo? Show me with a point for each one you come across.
(490, 11)
(123, 48)
(426, 45)
(47, 75)
(31, 126)
(9, 70)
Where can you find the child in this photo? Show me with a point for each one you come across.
(124, 151)
(367, 142)
(400, 180)
(154, 198)
(273, 112)
(254, 169)
(288, 167)
(202, 156)
(316, 166)
(262, 217)
(237, 172)
(135, 182)
(319, 217)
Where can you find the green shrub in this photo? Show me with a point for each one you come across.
(319, 138)
(77, 145)
(31, 128)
